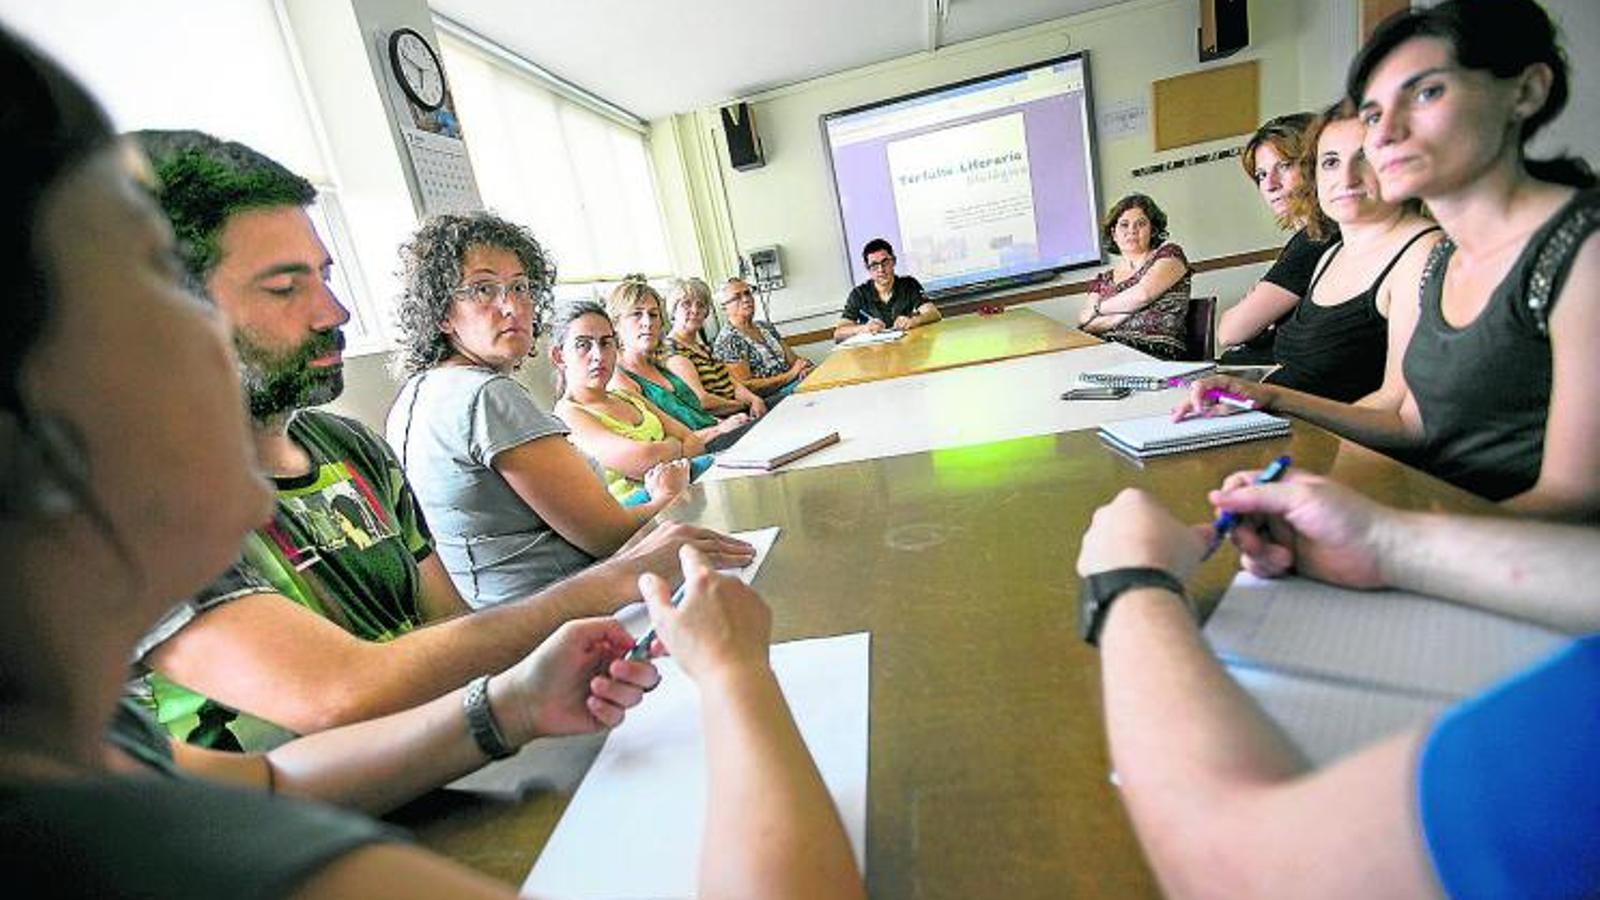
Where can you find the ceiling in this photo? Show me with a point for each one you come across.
(657, 57)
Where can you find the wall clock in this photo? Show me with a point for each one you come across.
(417, 68)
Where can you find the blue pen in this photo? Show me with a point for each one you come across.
(1226, 521)
(641, 648)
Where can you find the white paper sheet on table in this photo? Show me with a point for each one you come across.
(874, 337)
(540, 764)
(634, 826)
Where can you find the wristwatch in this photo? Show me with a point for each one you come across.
(1102, 588)
(481, 722)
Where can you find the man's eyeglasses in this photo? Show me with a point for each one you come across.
(739, 295)
(879, 265)
(484, 293)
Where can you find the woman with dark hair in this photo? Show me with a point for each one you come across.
(1362, 298)
(1499, 374)
(1143, 300)
(95, 801)
(1271, 159)
(511, 504)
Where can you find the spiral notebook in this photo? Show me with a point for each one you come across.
(1150, 374)
(1159, 435)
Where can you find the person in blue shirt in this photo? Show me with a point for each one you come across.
(1498, 797)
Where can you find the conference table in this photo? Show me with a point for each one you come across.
(947, 344)
(987, 763)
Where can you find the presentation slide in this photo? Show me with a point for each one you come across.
(975, 184)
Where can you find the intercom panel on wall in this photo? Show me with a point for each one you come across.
(419, 93)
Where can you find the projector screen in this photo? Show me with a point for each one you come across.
(978, 184)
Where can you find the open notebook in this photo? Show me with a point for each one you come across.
(1158, 435)
(1339, 669)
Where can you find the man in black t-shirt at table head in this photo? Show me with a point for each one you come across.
(884, 300)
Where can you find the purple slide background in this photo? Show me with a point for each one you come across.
(1067, 224)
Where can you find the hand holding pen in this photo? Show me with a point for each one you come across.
(1222, 395)
(717, 624)
(1228, 520)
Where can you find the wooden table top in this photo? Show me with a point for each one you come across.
(987, 760)
(948, 344)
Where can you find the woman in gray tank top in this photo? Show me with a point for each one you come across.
(1499, 376)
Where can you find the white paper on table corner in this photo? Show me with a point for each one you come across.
(634, 826)
(634, 617)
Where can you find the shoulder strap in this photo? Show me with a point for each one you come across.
(1402, 252)
(1579, 220)
(1323, 262)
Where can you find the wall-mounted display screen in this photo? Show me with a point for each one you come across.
(977, 184)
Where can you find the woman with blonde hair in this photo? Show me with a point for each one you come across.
(691, 359)
(639, 317)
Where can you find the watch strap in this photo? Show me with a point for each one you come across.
(481, 722)
(1101, 589)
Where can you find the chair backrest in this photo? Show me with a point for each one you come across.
(1200, 329)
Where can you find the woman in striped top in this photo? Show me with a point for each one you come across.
(689, 303)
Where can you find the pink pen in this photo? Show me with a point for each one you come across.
(1228, 398)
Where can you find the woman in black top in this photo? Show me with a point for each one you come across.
(1497, 392)
(1334, 342)
(1271, 158)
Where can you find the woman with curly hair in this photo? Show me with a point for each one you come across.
(1143, 300)
(512, 504)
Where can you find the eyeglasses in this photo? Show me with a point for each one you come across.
(483, 293)
(880, 264)
(739, 296)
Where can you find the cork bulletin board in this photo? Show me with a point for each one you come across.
(1206, 105)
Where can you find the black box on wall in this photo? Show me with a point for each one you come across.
(744, 143)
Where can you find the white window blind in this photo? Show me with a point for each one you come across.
(579, 181)
(226, 67)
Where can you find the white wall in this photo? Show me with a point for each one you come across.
(1212, 207)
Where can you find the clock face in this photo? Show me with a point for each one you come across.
(417, 67)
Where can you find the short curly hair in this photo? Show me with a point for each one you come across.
(1158, 222)
(430, 273)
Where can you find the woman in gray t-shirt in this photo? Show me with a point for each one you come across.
(512, 505)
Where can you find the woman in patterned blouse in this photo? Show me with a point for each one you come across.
(688, 305)
(755, 354)
(1143, 300)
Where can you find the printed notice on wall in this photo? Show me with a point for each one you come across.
(1125, 118)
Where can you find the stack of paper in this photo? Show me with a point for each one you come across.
(864, 338)
(634, 827)
(1340, 669)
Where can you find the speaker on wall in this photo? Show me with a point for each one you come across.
(1224, 28)
(744, 143)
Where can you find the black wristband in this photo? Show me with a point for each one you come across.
(481, 722)
(1101, 589)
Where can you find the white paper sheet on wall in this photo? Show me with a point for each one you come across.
(634, 826)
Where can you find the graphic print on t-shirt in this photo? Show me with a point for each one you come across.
(337, 511)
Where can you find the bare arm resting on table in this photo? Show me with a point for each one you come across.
(558, 485)
(1266, 303)
(1222, 803)
(1540, 572)
(574, 683)
(771, 827)
(711, 403)
(270, 657)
